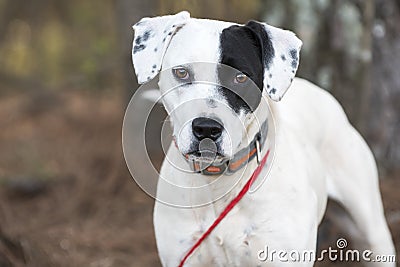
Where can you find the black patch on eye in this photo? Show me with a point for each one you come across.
(267, 49)
(248, 49)
(138, 48)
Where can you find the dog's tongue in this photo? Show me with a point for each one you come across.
(208, 149)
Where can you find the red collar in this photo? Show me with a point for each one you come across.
(227, 209)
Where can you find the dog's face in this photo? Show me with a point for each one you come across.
(213, 76)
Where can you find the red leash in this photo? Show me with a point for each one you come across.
(227, 209)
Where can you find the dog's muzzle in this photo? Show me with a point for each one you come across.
(207, 161)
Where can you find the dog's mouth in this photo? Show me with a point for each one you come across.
(206, 156)
(206, 151)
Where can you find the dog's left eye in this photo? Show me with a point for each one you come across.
(181, 73)
(240, 78)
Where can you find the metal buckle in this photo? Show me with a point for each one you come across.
(194, 166)
(258, 151)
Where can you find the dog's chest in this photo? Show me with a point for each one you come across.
(235, 241)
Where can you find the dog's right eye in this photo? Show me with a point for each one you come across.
(240, 78)
(180, 73)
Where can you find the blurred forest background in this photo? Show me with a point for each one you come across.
(66, 197)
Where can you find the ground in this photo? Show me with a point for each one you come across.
(66, 196)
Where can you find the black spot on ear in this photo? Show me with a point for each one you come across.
(283, 57)
(146, 36)
(138, 48)
(293, 54)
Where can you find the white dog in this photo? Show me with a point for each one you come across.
(225, 105)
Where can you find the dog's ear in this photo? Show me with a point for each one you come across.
(151, 40)
(280, 52)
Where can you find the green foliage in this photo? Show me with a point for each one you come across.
(63, 45)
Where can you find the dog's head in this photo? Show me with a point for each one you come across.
(213, 76)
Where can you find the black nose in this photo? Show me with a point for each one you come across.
(206, 128)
